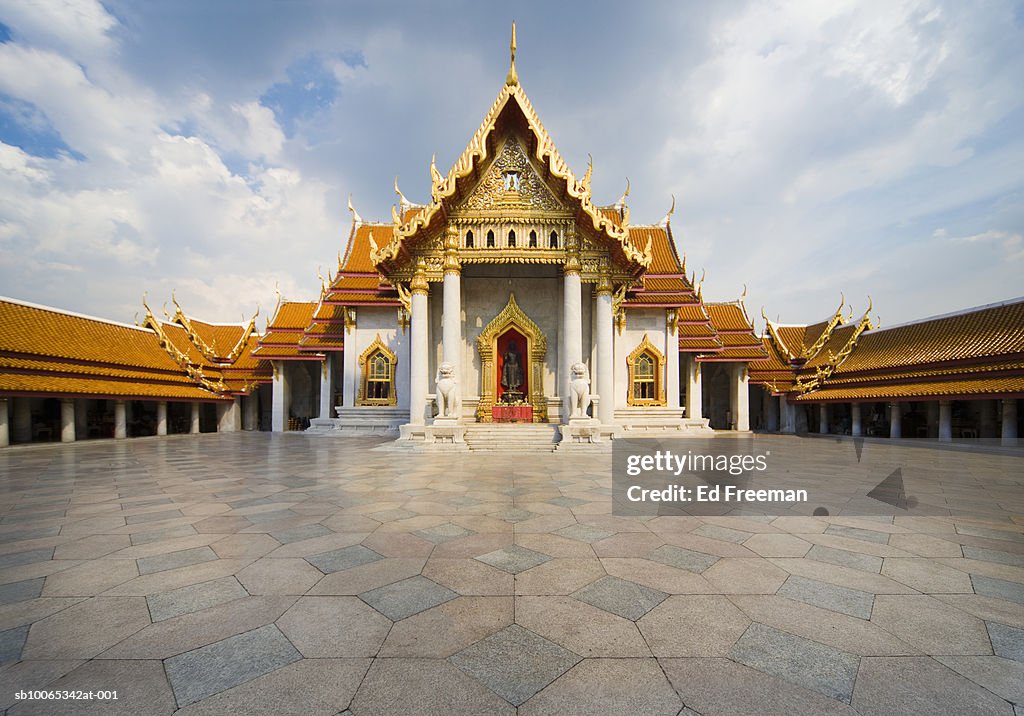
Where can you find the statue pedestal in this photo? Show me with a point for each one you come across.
(445, 431)
(581, 430)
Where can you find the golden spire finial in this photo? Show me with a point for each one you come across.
(512, 79)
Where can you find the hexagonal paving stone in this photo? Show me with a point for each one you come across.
(681, 558)
(344, 558)
(443, 533)
(584, 533)
(515, 663)
(627, 599)
(514, 559)
(410, 596)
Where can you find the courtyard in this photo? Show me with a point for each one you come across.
(289, 573)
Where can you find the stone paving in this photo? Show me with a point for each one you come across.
(294, 574)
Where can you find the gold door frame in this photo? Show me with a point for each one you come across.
(536, 349)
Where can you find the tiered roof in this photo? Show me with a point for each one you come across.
(286, 331)
(973, 353)
(46, 351)
(735, 332)
(218, 356)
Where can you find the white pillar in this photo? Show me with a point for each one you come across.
(572, 320)
(451, 317)
(605, 353)
(856, 424)
(161, 417)
(419, 347)
(279, 409)
(1009, 432)
(672, 362)
(67, 420)
(823, 418)
(194, 419)
(895, 421)
(228, 418)
(739, 398)
(945, 420)
(120, 420)
(787, 415)
(22, 420)
(694, 399)
(250, 418)
(5, 434)
(326, 385)
(771, 413)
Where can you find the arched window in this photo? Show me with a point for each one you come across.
(490, 239)
(377, 366)
(553, 240)
(533, 239)
(469, 239)
(511, 238)
(643, 377)
(646, 366)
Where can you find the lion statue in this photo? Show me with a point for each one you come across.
(447, 392)
(580, 391)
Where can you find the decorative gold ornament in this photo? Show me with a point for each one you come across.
(376, 358)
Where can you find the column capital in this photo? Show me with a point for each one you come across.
(452, 264)
(572, 264)
(419, 281)
(604, 282)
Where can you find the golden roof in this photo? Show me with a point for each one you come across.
(965, 388)
(49, 351)
(980, 333)
(511, 98)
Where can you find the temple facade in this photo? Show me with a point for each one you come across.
(510, 297)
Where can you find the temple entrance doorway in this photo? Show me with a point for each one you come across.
(512, 350)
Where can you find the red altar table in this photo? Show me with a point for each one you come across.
(512, 413)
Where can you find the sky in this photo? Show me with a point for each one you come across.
(814, 148)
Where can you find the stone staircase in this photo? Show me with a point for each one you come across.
(511, 437)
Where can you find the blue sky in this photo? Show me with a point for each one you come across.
(814, 148)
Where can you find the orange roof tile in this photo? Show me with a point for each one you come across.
(964, 387)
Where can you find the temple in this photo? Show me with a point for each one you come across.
(510, 309)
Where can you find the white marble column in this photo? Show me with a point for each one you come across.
(250, 415)
(572, 320)
(5, 433)
(672, 361)
(279, 407)
(1009, 431)
(787, 415)
(67, 420)
(194, 420)
(326, 385)
(605, 353)
(771, 413)
(945, 421)
(451, 317)
(856, 422)
(22, 420)
(228, 416)
(895, 420)
(823, 418)
(120, 420)
(739, 398)
(419, 348)
(161, 417)
(694, 397)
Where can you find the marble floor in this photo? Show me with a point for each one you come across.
(292, 574)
